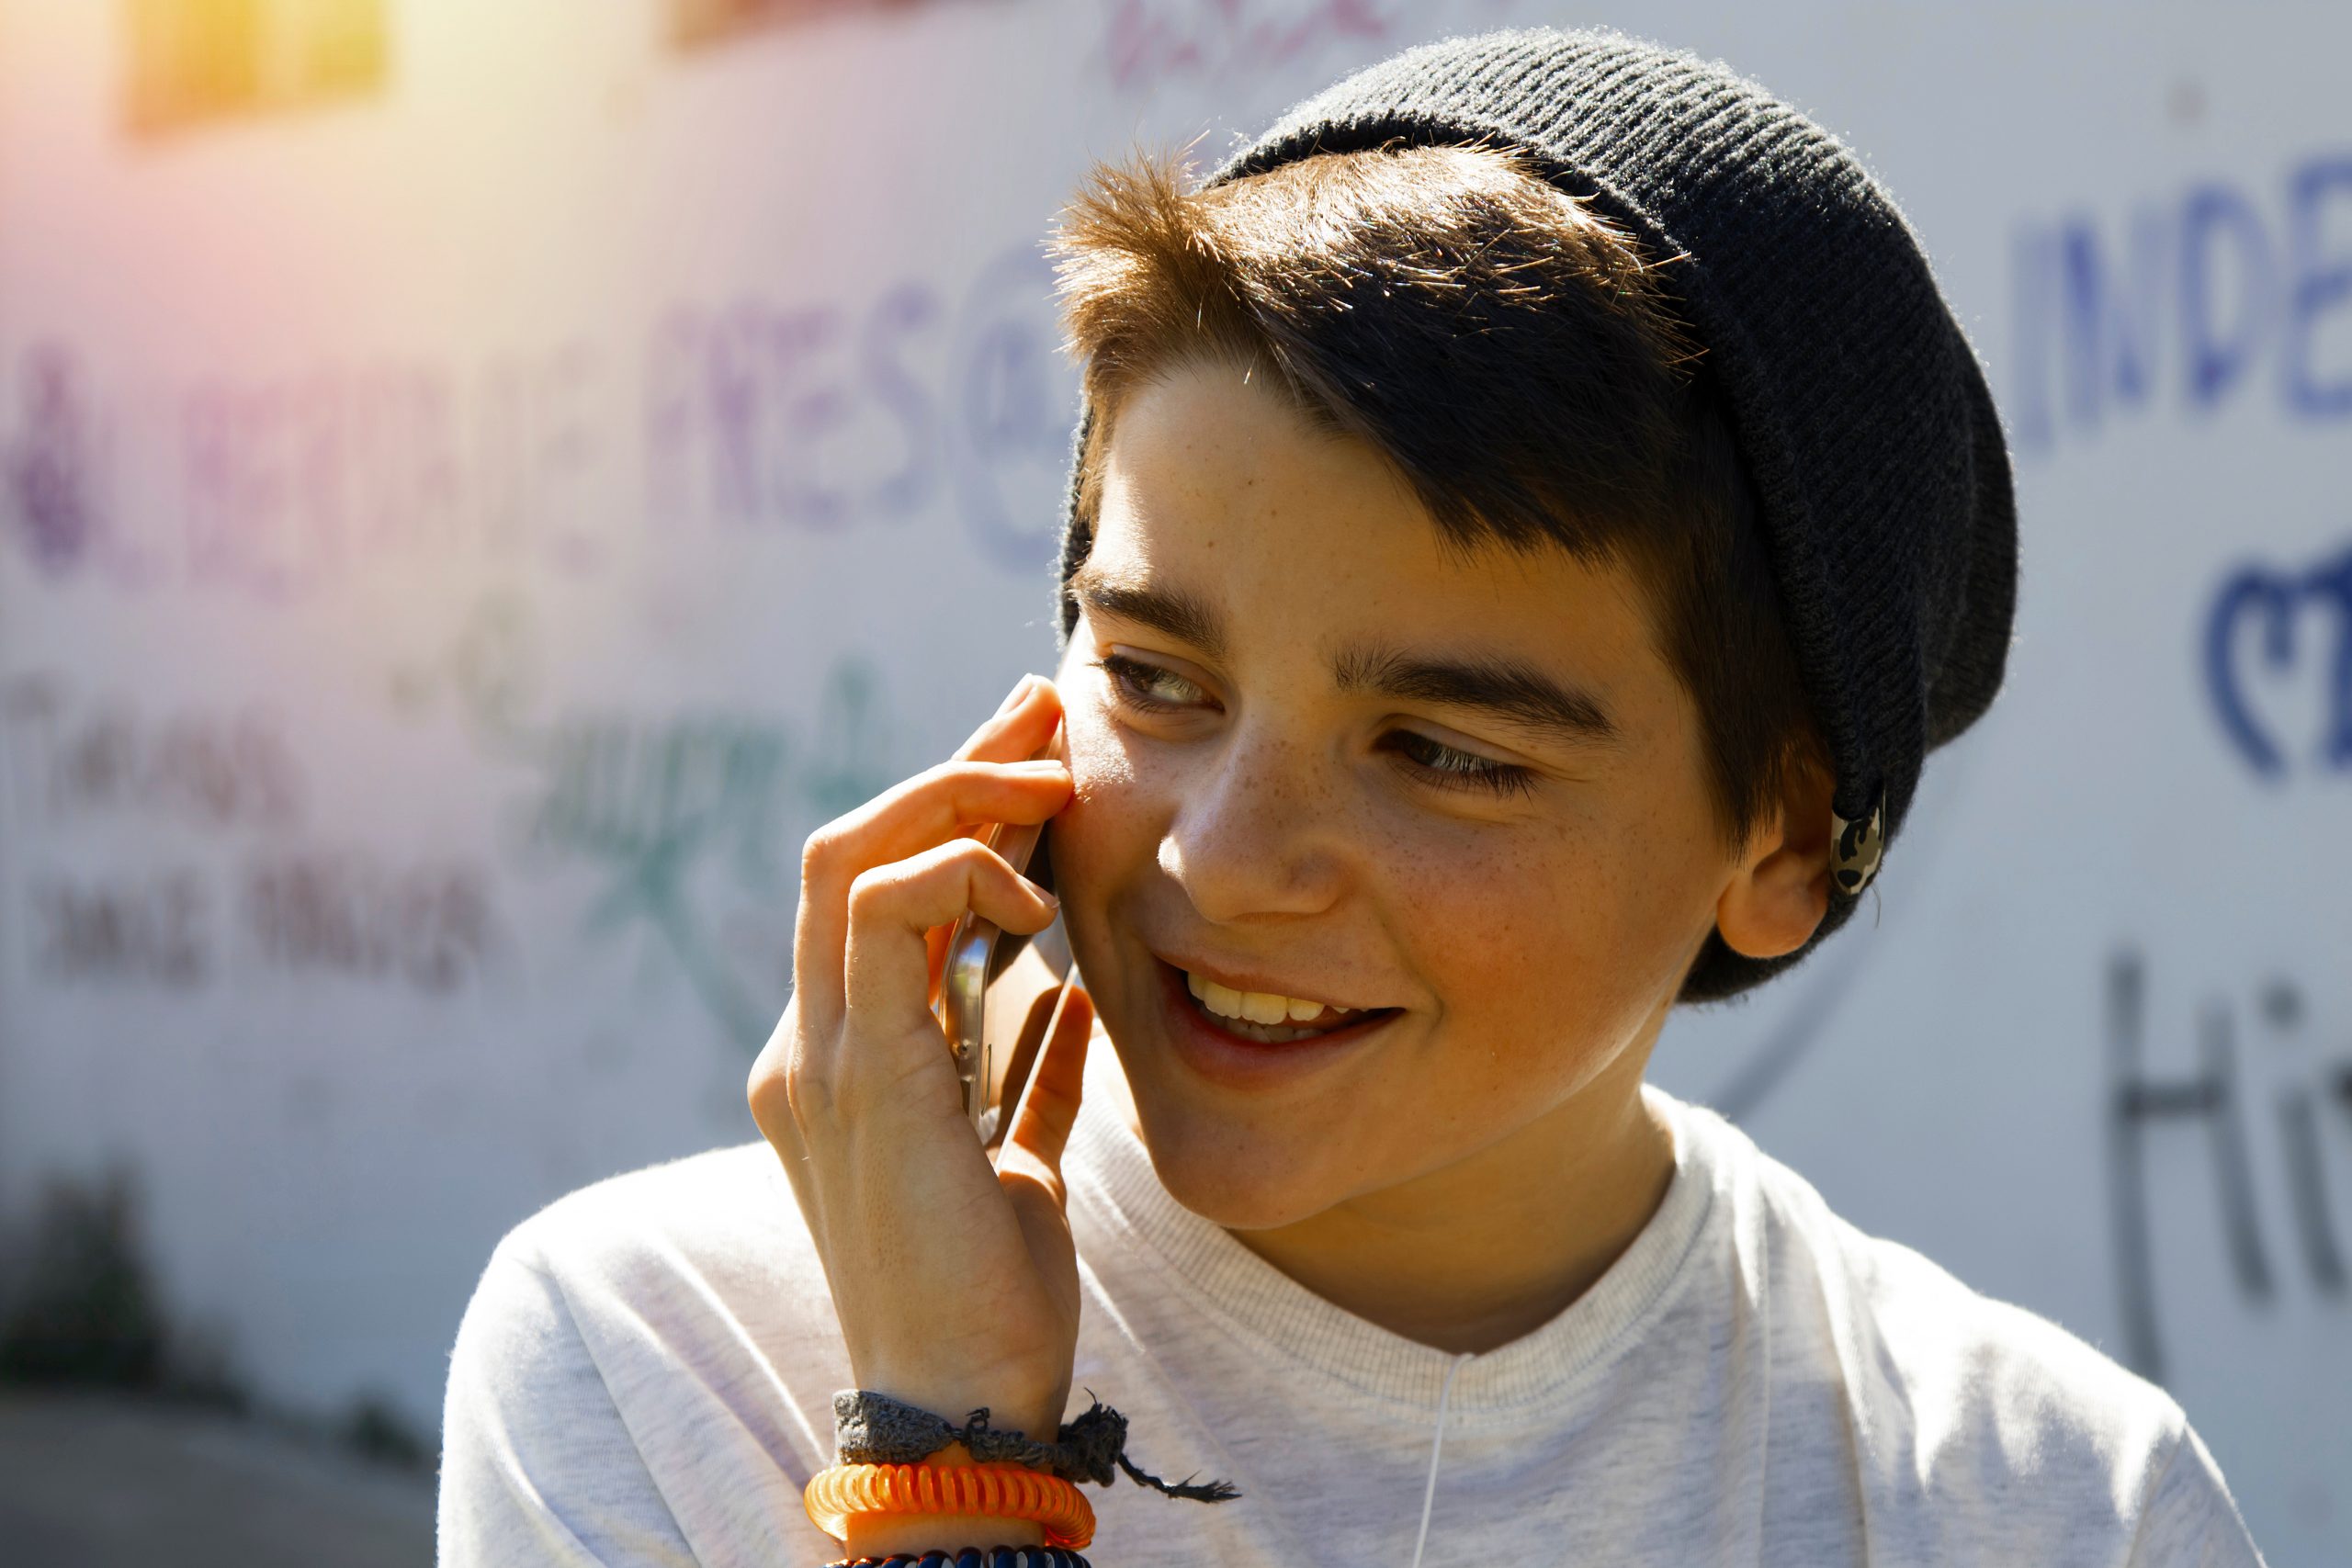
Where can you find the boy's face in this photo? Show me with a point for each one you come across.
(1288, 703)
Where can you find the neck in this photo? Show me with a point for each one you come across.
(1479, 1253)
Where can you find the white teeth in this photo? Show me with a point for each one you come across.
(1222, 999)
(1258, 1007)
(1254, 1007)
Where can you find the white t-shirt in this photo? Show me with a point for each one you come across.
(646, 1372)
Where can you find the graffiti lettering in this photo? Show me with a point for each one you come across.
(2259, 606)
(48, 470)
(199, 770)
(432, 926)
(1015, 406)
(1147, 42)
(749, 409)
(812, 417)
(815, 419)
(142, 929)
(2215, 1096)
(2186, 297)
(280, 487)
(661, 807)
(286, 485)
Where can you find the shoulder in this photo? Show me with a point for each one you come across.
(2043, 1432)
(646, 1362)
(711, 1238)
(1977, 1369)
(1984, 1420)
(2191, 1519)
(1962, 1366)
(722, 1210)
(689, 1261)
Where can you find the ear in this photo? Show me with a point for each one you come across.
(1779, 890)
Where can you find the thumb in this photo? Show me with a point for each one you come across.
(1049, 1109)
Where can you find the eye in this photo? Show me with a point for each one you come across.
(1152, 688)
(1148, 687)
(1450, 769)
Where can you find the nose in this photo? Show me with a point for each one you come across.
(1261, 831)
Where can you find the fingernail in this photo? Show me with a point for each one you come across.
(1051, 902)
(1019, 692)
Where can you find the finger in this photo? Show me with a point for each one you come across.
(1021, 727)
(891, 909)
(1009, 735)
(916, 815)
(766, 1088)
(1043, 1008)
(1041, 1126)
(935, 941)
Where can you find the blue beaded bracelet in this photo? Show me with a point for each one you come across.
(972, 1557)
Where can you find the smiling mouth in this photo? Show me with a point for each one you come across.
(1268, 1020)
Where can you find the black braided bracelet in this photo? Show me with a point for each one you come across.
(972, 1557)
(870, 1428)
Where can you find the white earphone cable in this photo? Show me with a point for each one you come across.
(1437, 1444)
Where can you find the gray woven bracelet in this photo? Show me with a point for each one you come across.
(874, 1428)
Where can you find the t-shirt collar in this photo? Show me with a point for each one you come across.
(1110, 1173)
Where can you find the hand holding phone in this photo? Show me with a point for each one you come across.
(992, 1038)
(956, 1281)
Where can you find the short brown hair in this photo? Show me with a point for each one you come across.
(1515, 355)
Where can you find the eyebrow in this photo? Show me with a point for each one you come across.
(1506, 688)
(1186, 616)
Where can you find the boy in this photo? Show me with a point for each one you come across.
(1532, 512)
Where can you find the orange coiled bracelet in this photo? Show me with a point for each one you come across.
(836, 1494)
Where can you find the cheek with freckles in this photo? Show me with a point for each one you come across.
(1533, 955)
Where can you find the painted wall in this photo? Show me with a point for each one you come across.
(479, 484)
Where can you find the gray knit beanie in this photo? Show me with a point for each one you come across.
(1879, 471)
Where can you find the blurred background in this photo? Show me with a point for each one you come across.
(479, 482)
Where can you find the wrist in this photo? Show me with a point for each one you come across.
(951, 1400)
